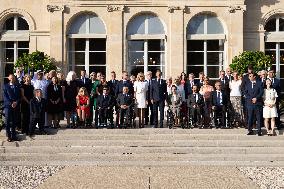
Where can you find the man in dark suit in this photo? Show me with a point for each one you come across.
(85, 82)
(224, 82)
(112, 83)
(219, 104)
(37, 112)
(189, 84)
(158, 95)
(105, 104)
(11, 94)
(195, 103)
(229, 75)
(254, 102)
(200, 81)
(125, 82)
(262, 78)
(124, 102)
(149, 113)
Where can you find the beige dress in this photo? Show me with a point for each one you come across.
(269, 97)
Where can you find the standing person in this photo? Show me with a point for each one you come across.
(11, 93)
(140, 95)
(41, 83)
(180, 88)
(263, 77)
(206, 90)
(125, 82)
(149, 114)
(174, 101)
(158, 95)
(253, 94)
(229, 75)
(195, 103)
(94, 95)
(132, 79)
(236, 99)
(71, 91)
(189, 84)
(224, 82)
(269, 109)
(83, 105)
(27, 93)
(19, 76)
(103, 84)
(84, 81)
(183, 78)
(54, 102)
(62, 82)
(112, 83)
(37, 112)
(169, 85)
(200, 81)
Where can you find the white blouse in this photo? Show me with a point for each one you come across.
(235, 87)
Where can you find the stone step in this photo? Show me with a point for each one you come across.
(140, 150)
(258, 142)
(139, 157)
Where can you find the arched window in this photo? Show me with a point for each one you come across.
(14, 41)
(146, 44)
(87, 44)
(274, 44)
(205, 45)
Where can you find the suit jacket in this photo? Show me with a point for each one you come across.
(225, 85)
(124, 99)
(11, 93)
(255, 92)
(121, 84)
(37, 109)
(276, 85)
(199, 83)
(191, 100)
(107, 102)
(230, 78)
(112, 86)
(172, 103)
(188, 87)
(215, 98)
(87, 84)
(158, 91)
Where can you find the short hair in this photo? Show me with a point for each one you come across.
(123, 72)
(217, 82)
(191, 74)
(222, 71)
(112, 72)
(174, 86)
(250, 67)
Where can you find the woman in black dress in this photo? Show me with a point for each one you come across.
(62, 82)
(54, 102)
(27, 93)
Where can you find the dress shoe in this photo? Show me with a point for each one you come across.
(250, 133)
(259, 134)
(9, 140)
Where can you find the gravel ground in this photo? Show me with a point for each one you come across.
(25, 177)
(265, 177)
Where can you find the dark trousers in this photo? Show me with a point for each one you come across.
(149, 114)
(124, 113)
(12, 121)
(105, 114)
(220, 112)
(195, 115)
(159, 106)
(25, 120)
(33, 123)
(254, 111)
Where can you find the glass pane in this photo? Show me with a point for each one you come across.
(156, 58)
(282, 57)
(136, 58)
(23, 44)
(137, 25)
(96, 25)
(272, 54)
(196, 25)
(282, 71)
(156, 45)
(155, 25)
(195, 45)
(270, 25)
(134, 70)
(9, 55)
(22, 51)
(154, 69)
(282, 84)
(9, 44)
(195, 69)
(22, 24)
(9, 24)
(98, 58)
(78, 70)
(213, 71)
(215, 45)
(281, 24)
(79, 58)
(136, 45)
(79, 25)
(97, 69)
(214, 26)
(282, 45)
(195, 58)
(9, 69)
(97, 44)
(270, 45)
(80, 44)
(215, 58)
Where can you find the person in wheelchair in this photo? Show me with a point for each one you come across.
(195, 103)
(174, 102)
(219, 105)
(105, 104)
(125, 104)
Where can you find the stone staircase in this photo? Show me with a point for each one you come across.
(144, 147)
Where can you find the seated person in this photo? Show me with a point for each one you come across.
(174, 102)
(83, 104)
(195, 103)
(37, 112)
(124, 102)
(219, 104)
(105, 104)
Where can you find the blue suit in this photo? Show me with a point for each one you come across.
(188, 87)
(11, 93)
(254, 109)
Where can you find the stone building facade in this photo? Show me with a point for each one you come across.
(139, 35)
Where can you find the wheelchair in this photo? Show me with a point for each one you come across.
(76, 121)
(105, 119)
(191, 124)
(128, 118)
(229, 121)
(171, 118)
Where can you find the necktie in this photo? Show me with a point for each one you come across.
(218, 97)
(159, 81)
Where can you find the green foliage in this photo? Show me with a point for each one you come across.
(35, 61)
(257, 59)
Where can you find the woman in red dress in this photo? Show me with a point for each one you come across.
(83, 104)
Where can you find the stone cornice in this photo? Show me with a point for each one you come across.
(53, 8)
(113, 8)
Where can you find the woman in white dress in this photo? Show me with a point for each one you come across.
(140, 94)
(269, 109)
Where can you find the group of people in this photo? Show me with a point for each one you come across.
(47, 98)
